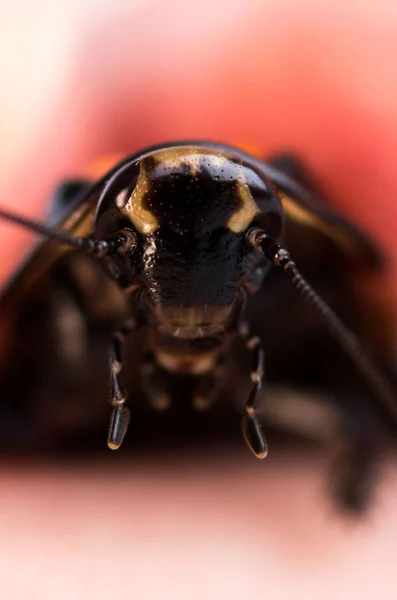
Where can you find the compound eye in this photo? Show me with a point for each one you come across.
(131, 241)
(126, 241)
(254, 236)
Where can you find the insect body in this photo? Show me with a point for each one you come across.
(189, 233)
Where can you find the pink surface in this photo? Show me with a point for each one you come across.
(237, 529)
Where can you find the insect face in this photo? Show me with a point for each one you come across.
(190, 210)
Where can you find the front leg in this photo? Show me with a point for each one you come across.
(251, 427)
(120, 417)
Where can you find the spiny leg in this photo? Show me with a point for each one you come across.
(251, 427)
(120, 417)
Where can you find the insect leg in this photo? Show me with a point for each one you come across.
(155, 385)
(355, 473)
(120, 416)
(357, 465)
(251, 427)
(207, 389)
(346, 338)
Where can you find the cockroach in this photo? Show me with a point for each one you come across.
(191, 247)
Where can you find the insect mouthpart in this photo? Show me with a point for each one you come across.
(192, 322)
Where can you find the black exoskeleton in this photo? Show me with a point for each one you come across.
(189, 233)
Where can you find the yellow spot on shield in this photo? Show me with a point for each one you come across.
(218, 161)
(190, 156)
(193, 162)
(142, 218)
(240, 220)
(173, 158)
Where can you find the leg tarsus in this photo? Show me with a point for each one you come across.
(120, 416)
(253, 435)
(118, 425)
(251, 427)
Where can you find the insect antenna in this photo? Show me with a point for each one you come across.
(346, 338)
(97, 248)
